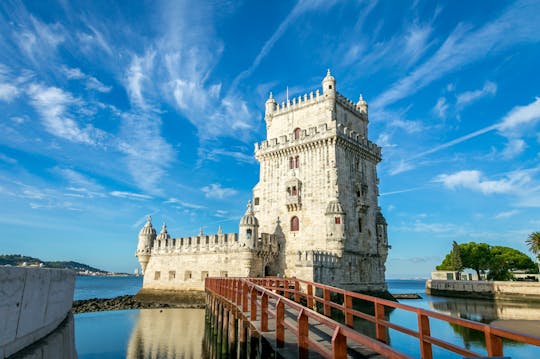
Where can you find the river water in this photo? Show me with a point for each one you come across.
(179, 333)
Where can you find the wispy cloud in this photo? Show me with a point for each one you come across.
(130, 195)
(464, 46)
(440, 108)
(54, 104)
(215, 190)
(474, 180)
(507, 214)
(468, 97)
(91, 82)
(301, 7)
(184, 204)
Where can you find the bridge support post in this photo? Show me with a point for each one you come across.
(310, 296)
(232, 334)
(326, 308)
(339, 345)
(253, 304)
(494, 344)
(280, 326)
(297, 291)
(347, 303)
(424, 330)
(303, 335)
(223, 329)
(380, 329)
(242, 338)
(264, 312)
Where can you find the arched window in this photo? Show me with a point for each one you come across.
(291, 163)
(297, 133)
(248, 233)
(359, 224)
(295, 224)
(297, 162)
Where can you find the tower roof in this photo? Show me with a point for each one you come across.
(163, 234)
(334, 207)
(249, 218)
(148, 230)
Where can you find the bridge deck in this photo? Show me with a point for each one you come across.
(317, 332)
(281, 311)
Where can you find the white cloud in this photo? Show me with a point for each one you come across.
(91, 82)
(475, 181)
(521, 116)
(8, 92)
(214, 154)
(216, 191)
(440, 108)
(464, 46)
(507, 214)
(300, 8)
(401, 166)
(129, 195)
(53, 104)
(407, 126)
(7, 159)
(384, 140)
(148, 154)
(138, 73)
(466, 98)
(173, 200)
(513, 148)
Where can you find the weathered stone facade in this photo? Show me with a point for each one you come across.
(315, 212)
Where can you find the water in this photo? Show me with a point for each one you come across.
(87, 287)
(179, 333)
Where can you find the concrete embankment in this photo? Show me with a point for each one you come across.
(33, 302)
(522, 291)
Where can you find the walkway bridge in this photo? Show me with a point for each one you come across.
(301, 319)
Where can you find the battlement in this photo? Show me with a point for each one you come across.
(318, 258)
(204, 243)
(297, 103)
(350, 105)
(315, 133)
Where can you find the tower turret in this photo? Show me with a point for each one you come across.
(249, 227)
(329, 85)
(362, 105)
(147, 235)
(163, 236)
(270, 105)
(335, 225)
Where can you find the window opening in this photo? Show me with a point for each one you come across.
(295, 224)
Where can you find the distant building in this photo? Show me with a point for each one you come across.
(314, 213)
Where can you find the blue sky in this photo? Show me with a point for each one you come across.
(110, 112)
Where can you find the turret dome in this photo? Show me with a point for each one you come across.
(249, 218)
(334, 207)
(163, 234)
(148, 230)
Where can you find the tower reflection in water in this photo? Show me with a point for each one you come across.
(167, 333)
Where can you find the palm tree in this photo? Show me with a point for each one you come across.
(533, 241)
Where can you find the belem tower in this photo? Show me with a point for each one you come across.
(314, 213)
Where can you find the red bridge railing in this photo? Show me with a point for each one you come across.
(251, 295)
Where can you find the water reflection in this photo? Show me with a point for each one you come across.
(170, 333)
(60, 344)
(487, 311)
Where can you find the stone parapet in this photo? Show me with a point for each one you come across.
(33, 302)
(483, 289)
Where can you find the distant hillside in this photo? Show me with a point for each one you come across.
(17, 260)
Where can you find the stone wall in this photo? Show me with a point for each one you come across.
(523, 291)
(33, 302)
(188, 270)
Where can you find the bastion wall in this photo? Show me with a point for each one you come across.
(523, 291)
(33, 302)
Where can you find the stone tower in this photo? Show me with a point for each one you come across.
(318, 178)
(147, 236)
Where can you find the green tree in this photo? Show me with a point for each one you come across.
(476, 256)
(455, 258)
(533, 241)
(499, 261)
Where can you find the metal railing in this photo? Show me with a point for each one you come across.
(252, 295)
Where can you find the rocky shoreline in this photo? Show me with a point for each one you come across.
(124, 302)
